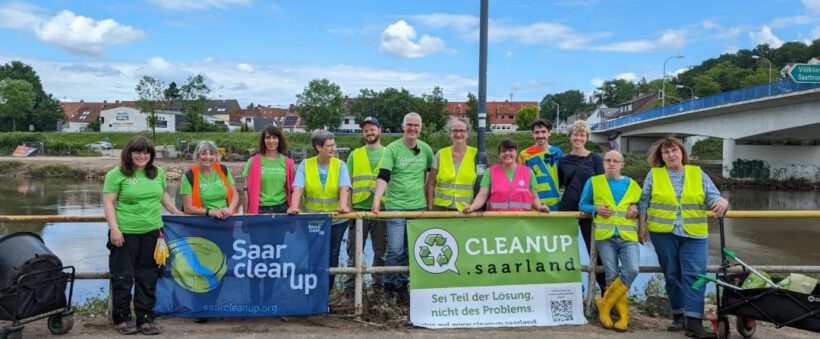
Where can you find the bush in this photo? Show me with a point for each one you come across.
(57, 171)
(708, 149)
(9, 166)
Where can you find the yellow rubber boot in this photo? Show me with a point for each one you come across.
(613, 293)
(622, 307)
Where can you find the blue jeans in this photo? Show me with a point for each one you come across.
(337, 232)
(617, 249)
(396, 253)
(681, 260)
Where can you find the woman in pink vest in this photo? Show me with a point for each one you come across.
(509, 186)
(269, 175)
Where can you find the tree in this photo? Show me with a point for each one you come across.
(194, 95)
(434, 110)
(47, 110)
(472, 111)
(17, 98)
(150, 94)
(250, 106)
(525, 117)
(614, 92)
(389, 106)
(172, 92)
(705, 85)
(93, 126)
(570, 102)
(321, 104)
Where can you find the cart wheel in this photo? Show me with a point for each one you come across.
(746, 327)
(11, 334)
(60, 324)
(723, 329)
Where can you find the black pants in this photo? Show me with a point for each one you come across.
(281, 208)
(586, 233)
(133, 265)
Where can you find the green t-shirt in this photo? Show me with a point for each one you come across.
(373, 156)
(272, 181)
(405, 191)
(138, 207)
(485, 180)
(212, 190)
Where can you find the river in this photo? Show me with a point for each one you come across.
(756, 241)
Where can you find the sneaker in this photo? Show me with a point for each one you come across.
(126, 327)
(149, 329)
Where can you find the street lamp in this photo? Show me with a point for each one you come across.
(691, 91)
(557, 114)
(663, 86)
(770, 70)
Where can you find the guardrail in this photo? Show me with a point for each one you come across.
(735, 96)
(361, 268)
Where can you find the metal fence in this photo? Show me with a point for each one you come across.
(744, 94)
(360, 268)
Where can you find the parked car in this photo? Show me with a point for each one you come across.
(99, 145)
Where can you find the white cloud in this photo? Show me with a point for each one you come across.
(673, 39)
(244, 68)
(731, 49)
(399, 39)
(198, 4)
(509, 54)
(597, 82)
(813, 6)
(67, 30)
(628, 46)
(766, 36)
(679, 71)
(815, 34)
(628, 76)
(159, 63)
(709, 24)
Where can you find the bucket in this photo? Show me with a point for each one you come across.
(24, 253)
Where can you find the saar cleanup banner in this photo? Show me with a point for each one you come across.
(245, 266)
(494, 272)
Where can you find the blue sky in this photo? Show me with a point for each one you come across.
(265, 52)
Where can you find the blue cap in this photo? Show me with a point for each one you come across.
(370, 120)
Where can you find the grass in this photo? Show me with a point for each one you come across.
(94, 306)
(9, 166)
(57, 171)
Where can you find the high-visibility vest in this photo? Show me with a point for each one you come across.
(510, 196)
(362, 177)
(663, 205)
(193, 179)
(320, 199)
(454, 190)
(605, 226)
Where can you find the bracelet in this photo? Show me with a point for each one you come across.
(207, 210)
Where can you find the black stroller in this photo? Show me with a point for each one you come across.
(773, 304)
(33, 285)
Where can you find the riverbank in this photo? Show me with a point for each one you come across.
(94, 168)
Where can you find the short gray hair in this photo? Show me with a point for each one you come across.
(318, 138)
(454, 120)
(206, 145)
(410, 115)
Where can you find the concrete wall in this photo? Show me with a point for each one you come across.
(761, 162)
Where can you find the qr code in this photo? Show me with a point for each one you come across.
(562, 310)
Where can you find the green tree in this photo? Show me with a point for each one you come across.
(389, 106)
(47, 110)
(194, 95)
(17, 98)
(472, 111)
(728, 75)
(433, 110)
(151, 99)
(321, 104)
(614, 92)
(526, 116)
(172, 92)
(705, 85)
(93, 126)
(570, 102)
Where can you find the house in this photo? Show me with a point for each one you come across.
(642, 102)
(79, 113)
(349, 125)
(222, 108)
(129, 119)
(501, 115)
(259, 117)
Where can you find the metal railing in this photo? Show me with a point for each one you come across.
(360, 268)
(735, 96)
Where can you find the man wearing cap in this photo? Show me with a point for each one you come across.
(364, 163)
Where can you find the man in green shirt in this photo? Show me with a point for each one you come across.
(404, 166)
(363, 164)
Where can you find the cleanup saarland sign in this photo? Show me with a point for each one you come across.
(494, 272)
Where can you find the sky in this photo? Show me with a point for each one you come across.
(265, 52)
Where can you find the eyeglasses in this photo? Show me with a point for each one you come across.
(613, 161)
(459, 131)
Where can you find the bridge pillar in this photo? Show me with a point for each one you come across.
(770, 162)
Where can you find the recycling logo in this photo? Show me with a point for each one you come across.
(436, 251)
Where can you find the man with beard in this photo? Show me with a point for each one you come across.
(401, 175)
(543, 160)
(364, 164)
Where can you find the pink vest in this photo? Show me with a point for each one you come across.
(510, 196)
(254, 181)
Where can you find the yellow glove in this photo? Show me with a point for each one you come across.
(161, 251)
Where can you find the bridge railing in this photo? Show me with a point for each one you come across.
(360, 267)
(738, 95)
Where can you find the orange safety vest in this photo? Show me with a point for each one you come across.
(193, 177)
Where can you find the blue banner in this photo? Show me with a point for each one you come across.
(245, 266)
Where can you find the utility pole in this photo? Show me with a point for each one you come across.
(481, 163)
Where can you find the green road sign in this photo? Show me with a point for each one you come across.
(805, 73)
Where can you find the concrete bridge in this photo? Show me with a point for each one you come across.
(769, 131)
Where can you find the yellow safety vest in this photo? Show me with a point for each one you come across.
(605, 227)
(363, 178)
(318, 199)
(663, 205)
(455, 190)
